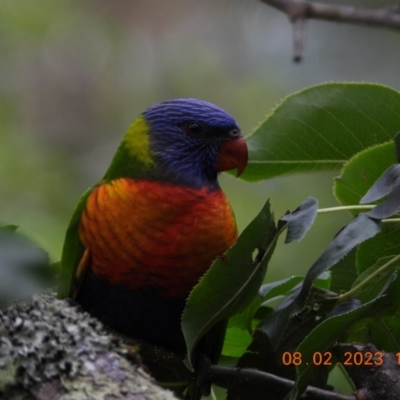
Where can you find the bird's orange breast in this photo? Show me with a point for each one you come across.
(148, 234)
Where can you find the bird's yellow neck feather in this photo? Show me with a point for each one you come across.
(137, 141)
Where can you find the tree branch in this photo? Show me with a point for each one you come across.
(375, 373)
(298, 11)
(229, 377)
(51, 350)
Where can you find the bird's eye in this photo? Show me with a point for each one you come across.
(194, 129)
(234, 133)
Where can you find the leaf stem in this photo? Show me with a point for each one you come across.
(345, 208)
(346, 296)
(388, 220)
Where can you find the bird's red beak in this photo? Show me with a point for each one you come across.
(232, 154)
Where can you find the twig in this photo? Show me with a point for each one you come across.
(228, 376)
(356, 207)
(348, 295)
(298, 11)
(298, 39)
(236, 377)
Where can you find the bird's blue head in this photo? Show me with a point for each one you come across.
(182, 141)
(191, 140)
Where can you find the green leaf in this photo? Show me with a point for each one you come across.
(300, 220)
(383, 186)
(344, 273)
(323, 336)
(373, 288)
(244, 320)
(232, 282)
(387, 183)
(397, 145)
(321, 127)
(360, 173)
(263, 356)
(323, 281)
(278, 288)
(381, 329)
(385, 243)
(384, 332)
(361, 228)
(236, 342)
(238, 321)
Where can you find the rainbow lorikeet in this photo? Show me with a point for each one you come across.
(140, 239)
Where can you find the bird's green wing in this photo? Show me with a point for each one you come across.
(74, 253)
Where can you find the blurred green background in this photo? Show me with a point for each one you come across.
(74, 74)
